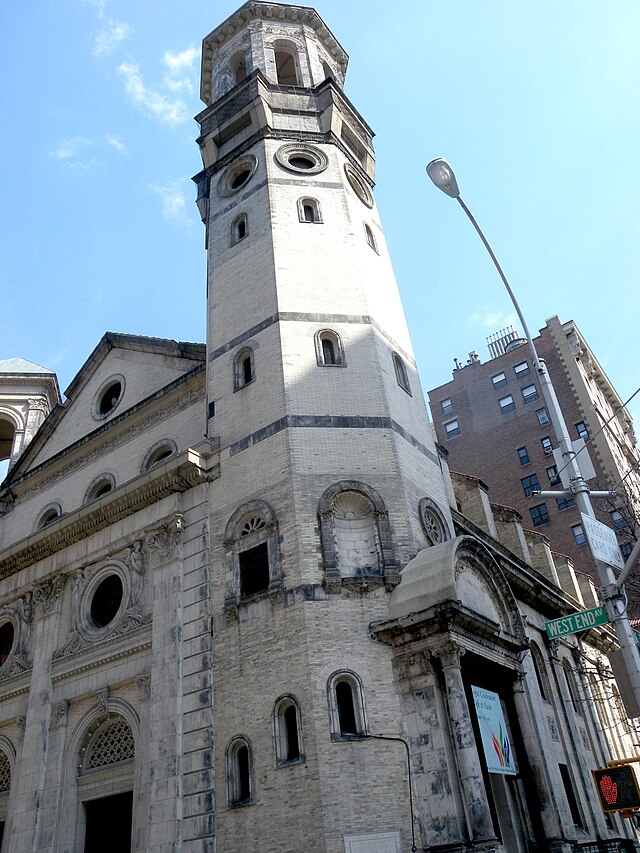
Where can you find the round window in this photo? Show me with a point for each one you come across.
(237, 175)
(302, 158)
(358, 185)
(7, 635)
(106, 601)
(109, 399)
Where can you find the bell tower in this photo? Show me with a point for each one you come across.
(327, 459)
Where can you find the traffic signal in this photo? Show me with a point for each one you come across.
(617, 788)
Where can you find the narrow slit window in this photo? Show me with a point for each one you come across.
(329, 349)
(244, 369)
(309, 210)
(371, 240)
(402, 377)
(239, 228)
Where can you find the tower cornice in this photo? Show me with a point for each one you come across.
(255, 10)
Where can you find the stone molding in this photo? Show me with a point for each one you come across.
(185, 474)
(47, 596)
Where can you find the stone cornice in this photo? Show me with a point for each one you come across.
(95, 657)
(185, 471)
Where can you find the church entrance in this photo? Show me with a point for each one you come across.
(108, 824)
(512, 798)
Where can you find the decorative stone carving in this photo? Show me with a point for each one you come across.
(39, 404)
(59, 714)
(102, 697)
(47, 597)
(20, 615)
(163, 542)
(21, 723)
(143, 683)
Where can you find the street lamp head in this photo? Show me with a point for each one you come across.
(443, 177)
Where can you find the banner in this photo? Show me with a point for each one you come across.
(493, 731)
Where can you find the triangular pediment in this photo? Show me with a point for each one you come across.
(121, 374)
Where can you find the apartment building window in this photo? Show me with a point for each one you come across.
(543, 417)
(581, 429)
(530, 393)
(539, 515)
(552, 474)
(506, 404)
(530, 484)
(546, 445)
(446, 405)
(499, 380)
(565, 503)
(452, 428)
(521, 369)
(578, 534)
(523, 456)
(618, 519)
(626, 549)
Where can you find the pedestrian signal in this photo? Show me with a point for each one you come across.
(617, 788)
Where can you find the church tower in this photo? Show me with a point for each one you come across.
(330, 480)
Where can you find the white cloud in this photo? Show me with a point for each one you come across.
(108, 38)
(174, 200)
(180, 66)
(163, 108)
(69, 151)
(495, 320)
(120, 147)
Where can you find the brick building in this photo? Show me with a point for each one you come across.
(493, 422)
(242, 602)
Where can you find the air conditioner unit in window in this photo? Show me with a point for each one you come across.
(548, 451)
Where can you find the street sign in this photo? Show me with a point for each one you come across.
(602, 541)
(577, 622)
(617, 788)
(582, 458)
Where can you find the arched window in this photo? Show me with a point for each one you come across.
(5, 784)
(329, 349)
(371, 240)
(7, 436)
(346, 705)
(540, 672)
(160, 452)
(238, 65)
(101, 486)
(402, 377)
(356, 538)
(286, 721)
(106, 766)
(286, 65)
(239, 772)
(49, 515)
(244, 368)
(309, 210)
(239, 228)
(572, 687)
(433, 522)
(253, 555)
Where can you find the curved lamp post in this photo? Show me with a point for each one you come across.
(611, 594)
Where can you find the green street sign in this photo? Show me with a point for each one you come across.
(577, 622)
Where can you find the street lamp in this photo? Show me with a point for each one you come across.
(611, 593)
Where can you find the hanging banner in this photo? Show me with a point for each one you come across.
(493, 731)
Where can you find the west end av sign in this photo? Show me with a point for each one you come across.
(577, 622)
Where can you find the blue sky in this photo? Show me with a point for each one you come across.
(536, 105)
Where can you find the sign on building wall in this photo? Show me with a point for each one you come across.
(493, 731)
(374, 842)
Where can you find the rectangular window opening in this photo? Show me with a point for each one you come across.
(565, 503)
(523, 455)
(530, 393)
(546, 445)
(254, 570)
(452, 428)
(521, 369)
(571, 797)
(499, 380)
(581, 429)
(539, 515)
(578, 534)
(112, 816)
(506, 404)
(543, 417)
(530, 484)
(446, 405)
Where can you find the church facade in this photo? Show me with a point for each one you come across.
(243, 603)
